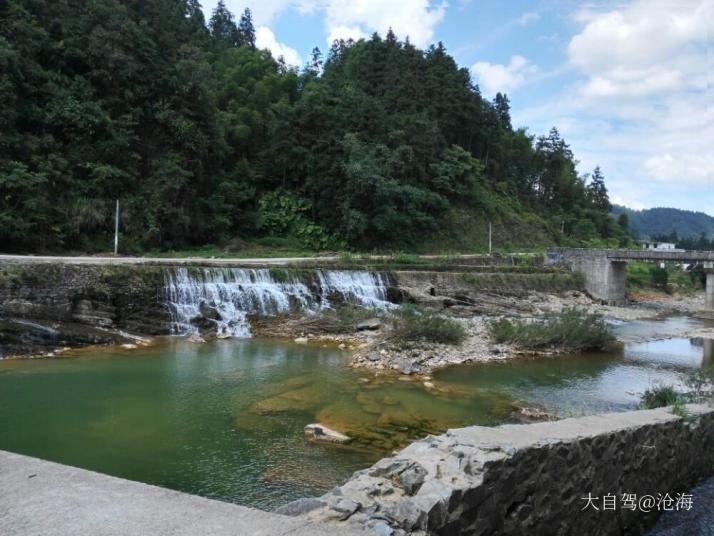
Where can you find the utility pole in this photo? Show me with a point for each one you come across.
(490, 234)
(116, 230)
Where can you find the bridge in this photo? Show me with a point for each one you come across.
(604, 269)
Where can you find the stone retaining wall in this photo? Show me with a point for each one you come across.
(466, 287)
(526, 479)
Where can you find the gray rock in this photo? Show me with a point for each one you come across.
(406, 514)
(412, 478)
(406, 366)
(369, 324)
(382, 529)
(300, 507)
(344, 508)
(320, 432)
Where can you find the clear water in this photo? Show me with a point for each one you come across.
(225, 419)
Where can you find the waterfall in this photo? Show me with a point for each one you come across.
(226, 296)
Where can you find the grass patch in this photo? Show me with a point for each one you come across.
(659, 396)
(572, 329)
(407, 258)
(411, 324)
(663, 396)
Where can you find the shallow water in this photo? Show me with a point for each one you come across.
(226, 419)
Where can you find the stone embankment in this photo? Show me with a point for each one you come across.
(45, 307)
(526, 479)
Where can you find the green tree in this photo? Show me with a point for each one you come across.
(246, 30)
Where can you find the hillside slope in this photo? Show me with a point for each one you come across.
(665, 221)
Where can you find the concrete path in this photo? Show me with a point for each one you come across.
(267, 261)
(40, 498)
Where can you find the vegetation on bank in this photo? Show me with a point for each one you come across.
(699, 388)
(203, 138)
(572, 329)
(660, 396)
(412, 324)
(671, 278)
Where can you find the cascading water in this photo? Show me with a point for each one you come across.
(226, 296)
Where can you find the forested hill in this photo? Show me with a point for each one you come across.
(203, 138)
(658, 222)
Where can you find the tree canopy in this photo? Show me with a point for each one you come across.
(203, 137)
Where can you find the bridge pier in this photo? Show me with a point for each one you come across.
(604, 279)
(709, 292)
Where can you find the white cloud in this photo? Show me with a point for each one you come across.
(528, 17)
(694, 169)
(345, 19)
(265, 38)
(642, 106)
(345, 32)
(494, 77)
(414, 18)
(648, 47)
(263, 11)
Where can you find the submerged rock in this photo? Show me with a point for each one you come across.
(320, 432)
(302, 399)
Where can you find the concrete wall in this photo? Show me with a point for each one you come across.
(604, 279)
(463, 287)
(526, 479)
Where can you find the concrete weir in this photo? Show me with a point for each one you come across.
(40, 498)
(604, 270)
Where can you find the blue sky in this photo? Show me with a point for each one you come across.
(627, 83)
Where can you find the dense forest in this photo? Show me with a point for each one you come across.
(674, 224)
(205, 139)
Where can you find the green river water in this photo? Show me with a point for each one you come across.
(225, 419)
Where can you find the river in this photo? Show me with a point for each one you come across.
(225, 419)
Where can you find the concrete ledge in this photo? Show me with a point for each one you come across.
(40, 498)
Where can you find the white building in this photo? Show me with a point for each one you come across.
(660, 246)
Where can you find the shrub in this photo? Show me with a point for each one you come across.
(700, 383)
(283, 214)
(572, 329)
(659, 396)
(659, 277)
(411, 324)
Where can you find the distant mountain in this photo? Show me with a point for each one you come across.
(665, 221)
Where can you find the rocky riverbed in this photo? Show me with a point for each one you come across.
(373, 349)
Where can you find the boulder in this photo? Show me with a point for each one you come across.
(319, 432)
(209, 312)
